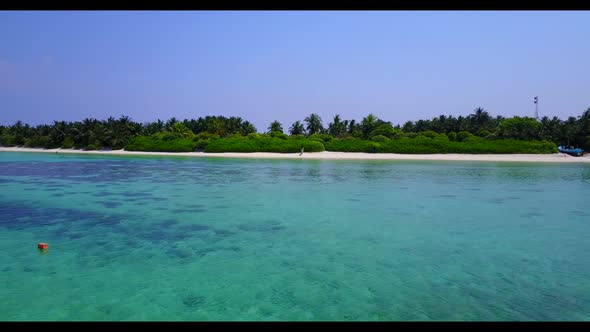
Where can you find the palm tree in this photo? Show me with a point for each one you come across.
(585, 129)
(57, 133)
(218, 126)
(497, 121)
(247, 128)
(442, 124)
(170, 123)
(584, 121)
(297, 128)
(181, 130)
(462, 124)
(351, 126)
(20, 132)
(86, 129)
(275, 126)
(568, 130)
(368, 124)
(314, 124)
(479, 118)
(421, 125)
(233, 125)
(153, 127)
(408, 127)
(337, 127)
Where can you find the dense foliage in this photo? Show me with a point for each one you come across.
(149, 143)
(263, 143)
(425, 145)
(113, 133)
(478, 132)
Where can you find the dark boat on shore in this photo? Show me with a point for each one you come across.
(571, 152)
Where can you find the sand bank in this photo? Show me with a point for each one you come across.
(328, 155)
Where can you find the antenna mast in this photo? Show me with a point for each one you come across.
(537, 107)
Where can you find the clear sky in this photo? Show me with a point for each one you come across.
(279, 65)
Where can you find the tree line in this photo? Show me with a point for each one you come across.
(574, 131)
(117, 133)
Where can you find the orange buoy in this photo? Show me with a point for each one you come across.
(43, 246)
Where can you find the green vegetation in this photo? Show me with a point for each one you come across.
(478, 132)
(177, 139)
(425, 145)
(150, 143)
(263, 143)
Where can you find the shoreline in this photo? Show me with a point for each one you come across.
(328, 155)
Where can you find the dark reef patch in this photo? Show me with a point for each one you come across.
(155, 235)
(105, 309)
(75, 236)
(195, 228)
(498, 201)
(179, 253)
(104, 193)
(167, 223)
(352, 200)
(193, 301)
(109, 204)
(532, 214)
(223, 232)
(136, 194)
(271, 227)
(197, 210)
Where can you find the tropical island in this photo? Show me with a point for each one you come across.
(477, 133)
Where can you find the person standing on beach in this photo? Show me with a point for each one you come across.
(301, 151)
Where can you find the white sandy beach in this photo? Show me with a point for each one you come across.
(328, 155)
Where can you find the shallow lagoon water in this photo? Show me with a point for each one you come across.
(180, 238)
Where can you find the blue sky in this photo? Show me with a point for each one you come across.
(280, 65)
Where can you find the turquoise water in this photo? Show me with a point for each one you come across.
(173, 238)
